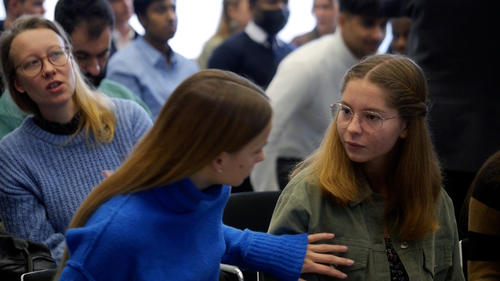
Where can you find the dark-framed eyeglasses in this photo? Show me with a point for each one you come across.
(370, 120)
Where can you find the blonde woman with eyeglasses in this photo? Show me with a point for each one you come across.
(54, 159)
(376, 182)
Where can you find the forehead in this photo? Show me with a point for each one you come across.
(81, 39)
(323, 2)
(362, 94)
(34, 42)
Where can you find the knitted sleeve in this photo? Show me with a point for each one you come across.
(282, 256)
(21, 206)
(133, 119)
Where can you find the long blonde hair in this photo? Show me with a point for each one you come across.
(415, 183)
(210, 112)
(96, 117)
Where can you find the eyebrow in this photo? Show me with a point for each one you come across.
(46, 50)
(366, 109)
(85, 53)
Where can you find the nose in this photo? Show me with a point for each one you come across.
(354, 126)
(378, 33)
(92, 67)
(261, 157)
(47, 68)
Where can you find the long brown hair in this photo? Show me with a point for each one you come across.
(415, 183)
(210, 112)
(97, 116)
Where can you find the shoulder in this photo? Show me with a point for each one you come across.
(18, 137)
(309, 54)
(126, 107)
(129, 55)
(445, 208)
(234, 43)
(185, 63)
(302, 187)
(114, 89)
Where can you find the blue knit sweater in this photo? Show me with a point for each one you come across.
(43, 181)
(174, 232)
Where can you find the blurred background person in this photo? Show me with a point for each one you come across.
(123, 33)
(148, 66)
(256, 52)
(462, 72)
(400, 33)
(325, 12)
(234, 18)
(17, 8)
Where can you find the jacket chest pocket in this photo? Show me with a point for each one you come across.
(437, 262)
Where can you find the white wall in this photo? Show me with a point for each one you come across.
(198, 20)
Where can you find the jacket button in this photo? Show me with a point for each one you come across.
(404, 245)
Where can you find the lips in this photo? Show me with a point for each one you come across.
(54, 86)
(353, 145)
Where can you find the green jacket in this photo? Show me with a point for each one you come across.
(303, 208)
(11, 116)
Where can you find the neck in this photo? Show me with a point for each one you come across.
(160, 45)
(203, 178)
(9, 19)
(61, 114)
(123, 28)
(377, 177)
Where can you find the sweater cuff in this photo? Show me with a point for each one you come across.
(282, 256)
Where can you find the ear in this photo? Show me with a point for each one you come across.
(18, 86)
(342, 19)
(219, 161)
(404, 131)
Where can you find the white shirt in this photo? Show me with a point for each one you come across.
(306, 83)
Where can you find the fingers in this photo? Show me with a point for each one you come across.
(328, 259)
(319, 236)
(323, 269)
(327, 248)
(328, 271)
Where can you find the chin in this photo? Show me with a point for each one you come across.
(356, 158)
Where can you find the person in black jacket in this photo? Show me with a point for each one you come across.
(449, 40)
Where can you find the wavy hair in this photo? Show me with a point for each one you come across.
(97, 117)
(415, 182)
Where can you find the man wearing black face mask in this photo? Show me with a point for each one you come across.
(256, 52)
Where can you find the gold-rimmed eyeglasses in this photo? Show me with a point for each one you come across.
(371, 120)
(33, 66)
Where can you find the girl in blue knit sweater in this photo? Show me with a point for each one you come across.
(159, 216)
(54, 159)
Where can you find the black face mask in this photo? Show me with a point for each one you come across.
(272, 21)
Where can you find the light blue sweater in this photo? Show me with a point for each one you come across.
(174, 232)
(43, 180)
